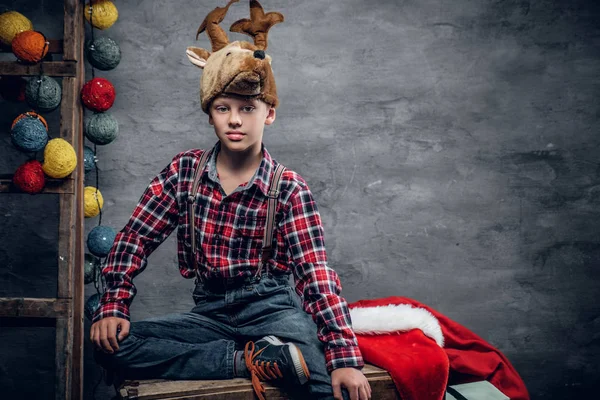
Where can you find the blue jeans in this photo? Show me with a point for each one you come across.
(200, 344)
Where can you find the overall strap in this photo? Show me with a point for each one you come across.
(191, 206)
(273, 196)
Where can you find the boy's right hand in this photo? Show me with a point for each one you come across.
(103, 333)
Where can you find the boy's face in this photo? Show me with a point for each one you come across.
(239, 122)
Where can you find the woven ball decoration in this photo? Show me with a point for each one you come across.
(29, 135)
(59, 158)
(103, 53)
(91, 265)
(29, 177)
(98, 94)
(43, 93)
(91, 305)
(101, 128)
(93, 201)
(103, 13)
(30, 46)
(12, 88)
(30, 114)
(100, 240)
(89, 159)
(11, 23)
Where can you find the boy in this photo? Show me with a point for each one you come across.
(247, 320)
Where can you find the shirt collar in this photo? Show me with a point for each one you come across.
(261, 177)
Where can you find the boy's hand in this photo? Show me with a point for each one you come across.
(104, 333)
(353, 380)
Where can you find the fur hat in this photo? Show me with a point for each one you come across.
(237, 68)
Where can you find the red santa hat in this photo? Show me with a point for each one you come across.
(424, 351)
(406, 341)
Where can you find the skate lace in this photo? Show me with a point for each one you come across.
(260, 370)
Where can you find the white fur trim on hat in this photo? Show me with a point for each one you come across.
(395, 318)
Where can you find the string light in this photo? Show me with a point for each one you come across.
(98, 279)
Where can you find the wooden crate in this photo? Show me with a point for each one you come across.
(237, 389)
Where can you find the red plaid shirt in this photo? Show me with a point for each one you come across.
(229, 231)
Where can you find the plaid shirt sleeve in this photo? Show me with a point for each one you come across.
(319, 284)
(152, 221)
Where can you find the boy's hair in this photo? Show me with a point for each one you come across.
(237, 68)
(239, 97)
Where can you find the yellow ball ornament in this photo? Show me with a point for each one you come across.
(103, 13)
(12, 23)
(93, 201)
(59, 158)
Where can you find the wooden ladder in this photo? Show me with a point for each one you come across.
(67, 308)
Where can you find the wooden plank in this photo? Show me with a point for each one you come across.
(53, 186)
(26, 307)
(64, 356)
(69, 331)
(55, 47)
(50, 68)
(78, 278)
(381, 383)
(73, 30)
(66, 252)
(74, 20)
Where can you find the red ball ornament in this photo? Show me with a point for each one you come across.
(29, 177)
(12, 88)
(98, 94)
(30, 46)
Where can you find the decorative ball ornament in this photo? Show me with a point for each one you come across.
(29, 177)
(30, 46)
(30, 114)
(59, 158)
(98, 94)
(101, 128)
(12, 88)
(91, 305)
(91, 264)
(89, 159)
(12, 23)
(43, 93)
(29, 135)
(93, 201)
(103, 13)
(103, 53)
(100, 240)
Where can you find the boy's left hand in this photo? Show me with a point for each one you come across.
(353, 380)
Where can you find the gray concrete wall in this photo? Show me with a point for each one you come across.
(452, 147)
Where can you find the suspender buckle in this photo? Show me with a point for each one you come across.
(273, 194)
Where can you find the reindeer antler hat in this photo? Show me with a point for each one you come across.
(238, 68)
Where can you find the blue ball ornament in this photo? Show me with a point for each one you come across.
(43, 93)
(101, 128)
(29, 135)
(91, 266)
(100, 240)
(89, 159)
(91, 305)
(103, 53)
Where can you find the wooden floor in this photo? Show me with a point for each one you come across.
(237, 389)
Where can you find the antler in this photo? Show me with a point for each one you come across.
(216, 34)
(258, 25)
